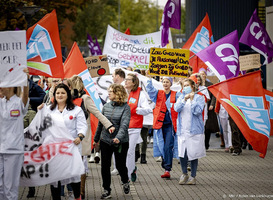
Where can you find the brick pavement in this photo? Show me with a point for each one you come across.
(219, 176)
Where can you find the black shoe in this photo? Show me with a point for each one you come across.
(126, 187)
(106, 195)
(217, 135)
(236, 153)
(31, 192)
(250, 147)
(143, 159)
(137, 156)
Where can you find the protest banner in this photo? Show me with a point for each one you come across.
(256, 37)
(44, 53)
(249, 61)
(244, 99)
(222, 57)
(269, 100)
(171, 18)
(13, 58)
(201, 38)
(169, 62)
(97, 65)
(50, 154)
(124, 50)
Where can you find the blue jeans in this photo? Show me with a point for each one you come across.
(168, 146)
(184, 162)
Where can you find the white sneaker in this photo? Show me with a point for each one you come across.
(191, 181)
(159, 159)
(97, 157)
(92, 159)
(183, 179)
(114, 172)
(151, 141)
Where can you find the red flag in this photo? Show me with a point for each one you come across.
(44, 48)
(75, 65)
(128, 32)
(269, 100)
(244, 99)
(201, 38)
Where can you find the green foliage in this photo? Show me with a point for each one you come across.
(140, 16)
(14, 14)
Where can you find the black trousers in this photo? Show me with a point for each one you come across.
(120, 152)
(235, 131)
(56, 192)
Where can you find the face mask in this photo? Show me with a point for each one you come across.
(187, 89)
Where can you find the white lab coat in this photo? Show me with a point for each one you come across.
(194, 143)
(11, 145)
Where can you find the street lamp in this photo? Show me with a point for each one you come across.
(29, 11)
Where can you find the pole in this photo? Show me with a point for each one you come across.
(119, 15)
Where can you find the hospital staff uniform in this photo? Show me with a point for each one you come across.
(12, 112)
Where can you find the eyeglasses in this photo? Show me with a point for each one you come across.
(109, 91)
(128, 79)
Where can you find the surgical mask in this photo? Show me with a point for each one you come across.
(187, 90)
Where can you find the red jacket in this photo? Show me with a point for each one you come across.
(161, 108)
(136, 120)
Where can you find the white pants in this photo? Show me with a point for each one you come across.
(226, 132)
(10, 170)
(134, 139)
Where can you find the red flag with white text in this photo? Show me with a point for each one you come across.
(44, 53)
(244, 99)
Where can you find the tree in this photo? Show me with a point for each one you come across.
(14, 15)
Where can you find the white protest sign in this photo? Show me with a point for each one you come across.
(13, 58)
(130, 50)
(50, 154)
(102, 83)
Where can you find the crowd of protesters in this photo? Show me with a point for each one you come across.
(183, 121)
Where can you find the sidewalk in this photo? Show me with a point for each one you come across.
(219, 176)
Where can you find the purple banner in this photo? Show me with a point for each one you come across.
(96, 48)
(256, 37)
(90, 44)
(222, 57)
(171, 18)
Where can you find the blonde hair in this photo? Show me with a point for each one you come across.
(77, 83)
(120, 92)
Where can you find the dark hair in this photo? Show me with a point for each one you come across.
(120, 72)
(135, 81)
(69, 103)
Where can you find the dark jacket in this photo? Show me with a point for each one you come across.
(119, 116)
(36, 95)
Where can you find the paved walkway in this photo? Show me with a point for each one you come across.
(219, 176)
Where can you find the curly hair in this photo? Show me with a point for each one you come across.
(69, 103)
(120, 92)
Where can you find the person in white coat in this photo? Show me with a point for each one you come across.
(190, 130)
(139, 106)
(12, 111)
(64, 111)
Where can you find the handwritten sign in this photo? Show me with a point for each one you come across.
(169, 62)
(249, 61)
(13, 58)
(130, 50)
(97, 65)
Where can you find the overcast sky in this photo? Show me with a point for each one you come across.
(163, 2)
